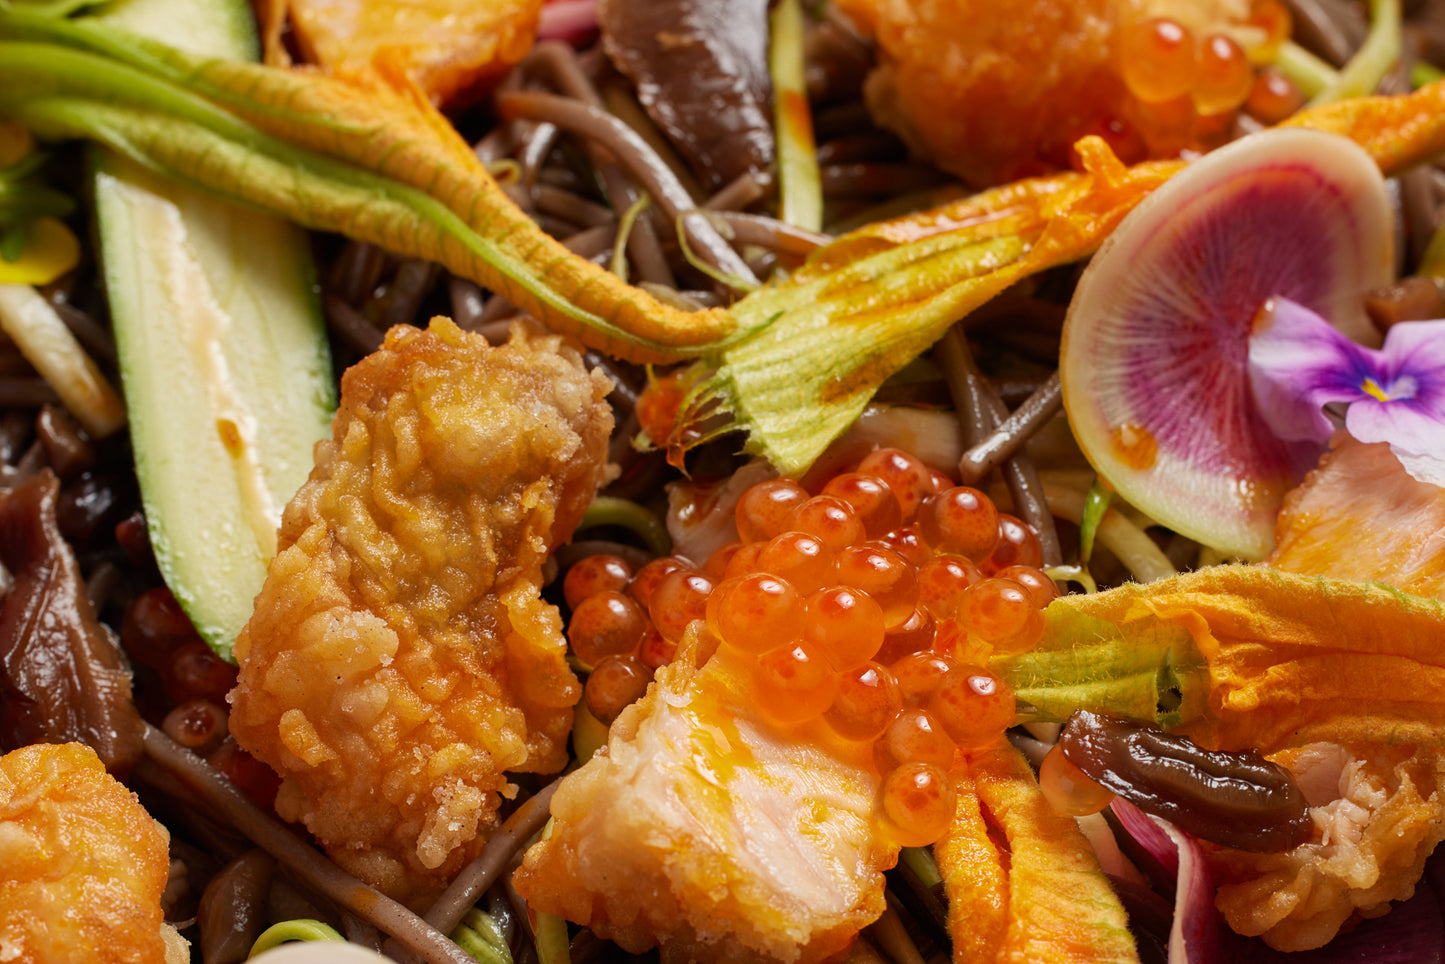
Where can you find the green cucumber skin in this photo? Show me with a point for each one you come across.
(217, 317)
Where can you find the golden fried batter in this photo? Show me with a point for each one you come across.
(1377, 813)
(400, 659)
(82, 865)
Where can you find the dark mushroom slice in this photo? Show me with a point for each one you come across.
(701, 70)
(63, 677)
(1240, 800)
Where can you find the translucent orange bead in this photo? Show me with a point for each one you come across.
(910, 480)
(960, 520)
(744, 561)
(844, 624)
(801, 559)
(914, 736)
(908, 542)
(1002, 612)
(1041, 589)
(763, 509)
(1273, 97)
(606, 624)
(680, 597)
(1157, 59)
(655, 651)
(755, 612)
(793, 683)
(829, 518)
(1017, 546)
(920, 675)
(1225, 76)
(645, 582)
(615, 684)
(974, 706)
(594, 574)
(919, 800)
(942, 582)
(872, 500)
(866, 703)
(913, 635)
(717, 563)
(882, 573)
(1068, 789)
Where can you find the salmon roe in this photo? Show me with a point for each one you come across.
(851, 605)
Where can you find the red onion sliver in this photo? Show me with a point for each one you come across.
(1195, 935)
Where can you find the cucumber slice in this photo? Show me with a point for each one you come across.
(223, 353)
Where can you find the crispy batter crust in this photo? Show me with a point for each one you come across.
(1378, 816)
(82, 865)
(400, 659)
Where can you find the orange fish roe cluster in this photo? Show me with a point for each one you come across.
(871, 605)
(996, 90)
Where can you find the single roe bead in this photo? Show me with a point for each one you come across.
(1002, 612)
(942, 583)
(1017, 546)
(606, 624)
(615, 684)
(960, 520)
(645, 582)
(1068, 789)
(594, 574)
(755, 612)
(680, 597)
(845, 625)
(828, 518)
(794, 683)
(866, 703)
(1225, 76)
(885, 575)
(914, 736)
(919, 799)
(914, 634)
(974, 706)
(763, 509)
(1157, 59)
(1041, 588)
(801, 559)
(872, 500)
(920, 675)
(910, 479)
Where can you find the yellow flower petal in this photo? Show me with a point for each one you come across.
(51, 249)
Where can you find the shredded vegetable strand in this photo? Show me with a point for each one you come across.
(800, 187)
(1124, 539)
(1373, 60)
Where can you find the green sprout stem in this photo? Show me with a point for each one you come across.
(300, 929)
(800, 186)
(1372, 61)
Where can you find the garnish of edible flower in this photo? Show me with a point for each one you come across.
(1299, 364)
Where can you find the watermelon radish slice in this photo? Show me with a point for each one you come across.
(1155, 343)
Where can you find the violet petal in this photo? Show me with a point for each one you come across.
(1298, 363)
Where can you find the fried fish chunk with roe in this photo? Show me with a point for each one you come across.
(1360, 515)
(1377, 813)
(400, 659)
(449, 48)
(82, 865)
(998, 90)
(709, 830)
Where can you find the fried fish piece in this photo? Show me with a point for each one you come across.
(82, 865)
(400, 659)
(1377, 813)
(706, 829)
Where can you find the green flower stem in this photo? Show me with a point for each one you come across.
(1372, 61)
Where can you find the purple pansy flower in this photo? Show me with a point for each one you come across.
(1299, 363)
